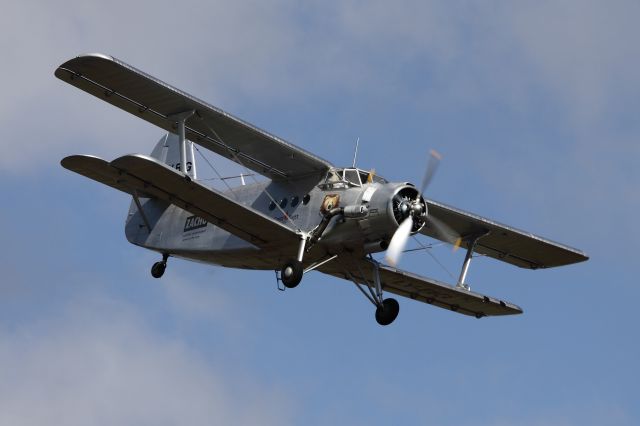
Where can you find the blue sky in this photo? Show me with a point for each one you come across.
(534, 107)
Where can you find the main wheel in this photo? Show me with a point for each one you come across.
(157, 270)
(291, 273)
(388, 312)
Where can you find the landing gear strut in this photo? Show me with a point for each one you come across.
(158, 268)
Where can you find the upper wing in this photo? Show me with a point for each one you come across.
(502, 242)
(155, 101)
(420, 288)
(148, 177)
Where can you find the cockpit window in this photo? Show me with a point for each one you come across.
(351, 176)
(379, 179)
(333, 176)
(344, 178)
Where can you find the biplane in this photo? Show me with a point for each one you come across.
(307, 215)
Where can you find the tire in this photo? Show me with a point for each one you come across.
(291, 273)
(388, 312)
(157, 270)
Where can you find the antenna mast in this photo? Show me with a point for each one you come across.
(355, 154)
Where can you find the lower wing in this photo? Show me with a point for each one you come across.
(427, 290)
(140, 175)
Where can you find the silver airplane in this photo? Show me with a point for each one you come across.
(308, 215)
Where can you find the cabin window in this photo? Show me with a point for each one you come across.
(294, 201)
(283, 203)
(272, 205)
(305, 199)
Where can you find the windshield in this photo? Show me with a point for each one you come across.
(351, 177)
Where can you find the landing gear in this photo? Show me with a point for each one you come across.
(387, 311)
(158, 268)
(291, 273)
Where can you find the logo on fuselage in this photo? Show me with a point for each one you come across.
(194, 222)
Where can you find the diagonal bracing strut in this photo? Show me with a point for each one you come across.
(473, 241)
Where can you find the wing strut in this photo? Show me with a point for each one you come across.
(473, 241)
(136, 199)
(181, 119)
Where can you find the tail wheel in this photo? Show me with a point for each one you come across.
(291, 273)
(157, 270)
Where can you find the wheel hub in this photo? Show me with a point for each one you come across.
(288, 271)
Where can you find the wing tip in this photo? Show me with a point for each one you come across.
(74, 162)
(97, 55)
(65, 66)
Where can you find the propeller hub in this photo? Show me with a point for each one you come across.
(407, 202)
(417, 209)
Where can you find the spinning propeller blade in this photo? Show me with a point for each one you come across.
(398, 242)
(445, 232)
(372, 173)
(432, 166)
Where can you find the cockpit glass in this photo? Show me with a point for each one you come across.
(379, 179)
(343, 178)
(351, 176)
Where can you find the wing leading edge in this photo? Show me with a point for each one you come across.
(500, 241)
(157, 102)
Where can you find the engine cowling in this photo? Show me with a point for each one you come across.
(389, 205)
(406, 202)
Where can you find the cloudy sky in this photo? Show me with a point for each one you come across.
(534, 106)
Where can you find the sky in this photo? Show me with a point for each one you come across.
(533, 106)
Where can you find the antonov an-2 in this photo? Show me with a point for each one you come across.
(309, 215)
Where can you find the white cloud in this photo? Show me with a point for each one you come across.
(99, 364)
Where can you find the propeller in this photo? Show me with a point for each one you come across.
(399, 241)
(371, 175)
(401, 236)
(432, 166)
(445, 232)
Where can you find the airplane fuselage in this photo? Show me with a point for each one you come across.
(300, 205)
